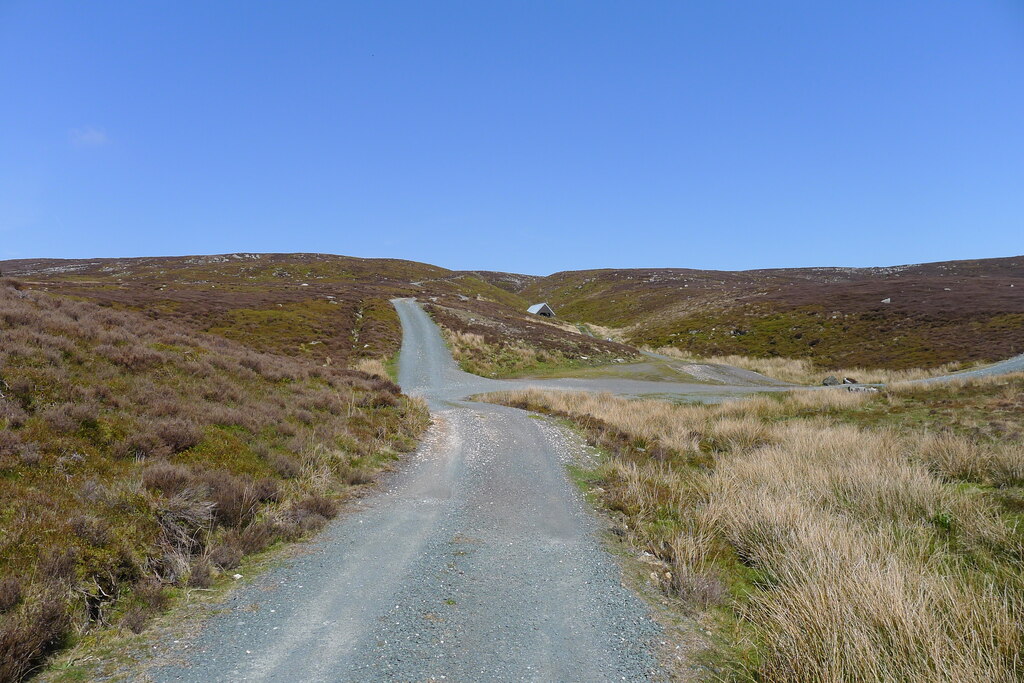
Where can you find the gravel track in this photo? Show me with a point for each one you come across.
(1015, 364)
(479, 561)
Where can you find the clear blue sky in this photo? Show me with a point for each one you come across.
(521, 136)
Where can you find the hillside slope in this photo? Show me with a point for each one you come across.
(320, 307)
(137, 458)
(335, 308)
(937, 312)
(325, 308)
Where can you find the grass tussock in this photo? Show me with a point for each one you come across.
(374, 367)
(805, 371)
(136, 459)
(821, 542)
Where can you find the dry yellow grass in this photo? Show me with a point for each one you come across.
(957, 458)
(865, 564)
(466, 339)
(803, 371)
(473, 354)
(372, 366)
(827, 398)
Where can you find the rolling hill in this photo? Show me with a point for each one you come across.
(335, 308)
(896, 317)
(138, 458)
(325, 308)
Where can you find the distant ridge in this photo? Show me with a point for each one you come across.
(940, 312)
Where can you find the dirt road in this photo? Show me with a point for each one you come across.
(479, 562)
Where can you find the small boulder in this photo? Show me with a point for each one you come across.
(830, 381)
(850, 380)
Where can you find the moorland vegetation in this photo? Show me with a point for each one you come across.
(898, 318)
(139, 459)
(826, 535)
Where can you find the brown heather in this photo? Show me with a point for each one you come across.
(966, 311)
(135, 457)
(820, 548)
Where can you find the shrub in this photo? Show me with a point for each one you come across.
(229, 417)
(232, 496)
(379, 399)
(85, 411)
(27, 637)
(353, 475)
(11, 413)
(220, 391)
(142, 444)
(184, 519)
(318, 505)
(58, 565)
(135, 619)
(201, 575)
(285, 465)
(151, 594)
(700, 590)
(10, 443)
(107, 397)
(257, 536)
(10, 594)
(12, 283)
(29, 454)
(166, 477)
(310, 514)
(165, 407)
(135, 357)
(226, 554)
(59, 418)
(179, 435)
(267, 490)
(91, 491)
(92, 530)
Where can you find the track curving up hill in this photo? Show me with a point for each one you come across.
(479, 561)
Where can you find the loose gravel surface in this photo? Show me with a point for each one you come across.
(716, 372)
(479, 561)
(1015, 364)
